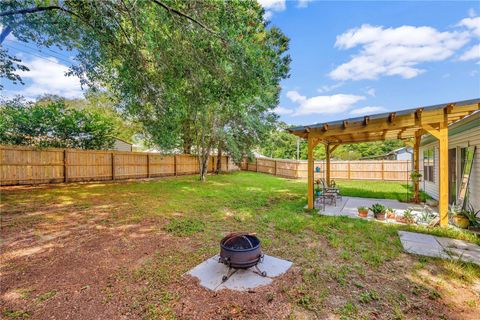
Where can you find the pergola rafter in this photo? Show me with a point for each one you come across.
(404, 124)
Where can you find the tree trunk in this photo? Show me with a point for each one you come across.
(219, 160)
(203, 166)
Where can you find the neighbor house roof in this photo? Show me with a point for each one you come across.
(401, 124)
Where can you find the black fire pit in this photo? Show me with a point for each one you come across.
(240, 251)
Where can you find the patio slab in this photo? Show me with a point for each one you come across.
(422, 244)
(348, 206)
(438, 247)
(210, 273)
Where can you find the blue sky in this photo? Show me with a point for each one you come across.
(349, 58)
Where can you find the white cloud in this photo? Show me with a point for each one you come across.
(303, 3)
(48, 76)
(295, 96)
(326, 88)
(272, 6)
(394, 51)
(282, 111)
(472, 13)
(472, 23)
(337, 103)
(367, 110)
(371, 92)
(471, 54)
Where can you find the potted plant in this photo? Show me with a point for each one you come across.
(415, 176)
(408, 217)
(459, 216)
(378, 211)
(318, 191)
(473, 217)
(362, 212)
(391, 213)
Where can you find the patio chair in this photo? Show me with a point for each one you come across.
(328, 195)
(332, 188)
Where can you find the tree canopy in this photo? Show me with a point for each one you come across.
(53, 124)
(198, 75)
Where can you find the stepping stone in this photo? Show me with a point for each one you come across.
(463, 250)
(210, 273)
(438, 247)
(422, 244)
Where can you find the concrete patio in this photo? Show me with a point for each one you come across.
(348, 206)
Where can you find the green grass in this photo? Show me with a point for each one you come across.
(377, 189)
(354, 261)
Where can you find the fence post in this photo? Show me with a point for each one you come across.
(275, 172)
(113, 166)
(65, 166)
(256, 164)
(227, 162)
(383, 170)
(348, 171)
(148, 165)
(174, 164)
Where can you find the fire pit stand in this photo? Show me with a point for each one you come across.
(240, 251)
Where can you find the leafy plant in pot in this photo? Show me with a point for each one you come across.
(362, 212)
(459, 216)
(408, 217)
(473, 217)
(415, 176)
(378, 211)
(391, 213)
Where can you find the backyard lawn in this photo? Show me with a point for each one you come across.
(378, 189)
(119, 250)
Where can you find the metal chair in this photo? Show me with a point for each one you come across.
(332, 188)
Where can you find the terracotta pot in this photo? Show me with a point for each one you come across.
(362, 213)
(461, 221)
(380, 216)
(391, 215)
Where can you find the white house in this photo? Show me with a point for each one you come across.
(122, 145)
(405, 153)
(463, 142)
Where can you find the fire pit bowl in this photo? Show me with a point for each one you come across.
(240, 251)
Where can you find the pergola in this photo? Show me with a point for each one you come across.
(403, 124)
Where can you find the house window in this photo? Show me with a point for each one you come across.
(428, 164)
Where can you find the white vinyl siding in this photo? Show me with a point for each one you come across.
(470, 138)
(121, 145)
(430, 187)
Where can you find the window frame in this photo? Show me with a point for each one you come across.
(429, 164)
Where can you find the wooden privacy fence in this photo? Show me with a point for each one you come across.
(388, 170)
(27, 165)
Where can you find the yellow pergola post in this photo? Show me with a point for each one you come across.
(416, 165)
(442, 135)
(443, 174)
(327, 164)
(311, 145)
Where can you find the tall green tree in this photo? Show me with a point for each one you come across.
(53, 124)
(194, 73)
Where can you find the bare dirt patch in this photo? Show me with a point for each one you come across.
(121, 251)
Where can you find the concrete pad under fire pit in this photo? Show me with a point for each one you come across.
(210, 273)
